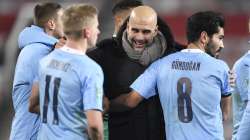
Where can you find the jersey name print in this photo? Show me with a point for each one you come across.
(183, 65)
(69, 85)
(190, 86)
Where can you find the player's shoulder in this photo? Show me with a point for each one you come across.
(88, 64)
(89, 67)
(220, 64)
(33, 52)
(243, 61)
(166, 60)
(46, 59)
(91, 62)
(37, 46)
(171, 56)
(213, 61)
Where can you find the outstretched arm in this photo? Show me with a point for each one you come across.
(125, 102)
(143, 87)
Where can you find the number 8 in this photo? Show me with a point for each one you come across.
(184, 88)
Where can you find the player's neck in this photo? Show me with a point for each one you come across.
(195, 46)
(77, 45)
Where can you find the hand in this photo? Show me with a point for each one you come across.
(232, 78)
(60, 43)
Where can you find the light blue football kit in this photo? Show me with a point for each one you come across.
(69, 84)
(34, 44)
(190, 84)
(242, 69)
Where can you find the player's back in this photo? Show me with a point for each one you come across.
(190, 85)
(34, 44)
(64, 80)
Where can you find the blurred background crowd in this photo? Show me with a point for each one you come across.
(16, 14)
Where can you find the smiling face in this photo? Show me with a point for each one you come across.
(140, 33)
(141, 27)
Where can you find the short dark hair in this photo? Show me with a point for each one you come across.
(207, 21)
(44, 12)
(125, 5)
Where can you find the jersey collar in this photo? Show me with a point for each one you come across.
(70, 50)
(192, 50)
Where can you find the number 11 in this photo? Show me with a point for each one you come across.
(56, 83)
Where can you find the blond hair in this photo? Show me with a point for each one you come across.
(77, 17)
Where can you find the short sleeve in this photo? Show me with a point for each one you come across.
(226, 88)
(93, 93)
(145, 84)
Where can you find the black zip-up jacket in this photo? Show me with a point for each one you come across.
(144, 122)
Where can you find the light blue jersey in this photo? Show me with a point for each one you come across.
(240, 97)
(35, 44)
(190, 84)
(69, 84)
(242, 68)
(244, 129)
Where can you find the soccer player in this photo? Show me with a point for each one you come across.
(241, 98)
(35, 42)
(70, 83)
(190, 83)
(120, 12)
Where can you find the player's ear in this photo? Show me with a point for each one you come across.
(156, 30)
(118, 20)
(86, 33)
(50, 24)
(204, 38)
(127, 28)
